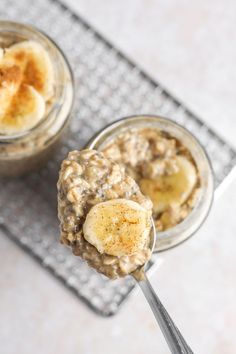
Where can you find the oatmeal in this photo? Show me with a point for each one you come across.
(104, 217)
(163, 168)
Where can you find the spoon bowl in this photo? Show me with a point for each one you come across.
(153, 237)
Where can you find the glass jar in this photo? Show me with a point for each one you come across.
(177, 234)
(21, 153)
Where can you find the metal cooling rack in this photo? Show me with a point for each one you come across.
(108, 86)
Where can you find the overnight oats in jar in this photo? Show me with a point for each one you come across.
(36, 98)
(170, 167)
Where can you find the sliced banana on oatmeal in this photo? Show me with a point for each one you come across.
(117, 227)
(35, 64)
(26, 109)
(10, 80)
(173, 189)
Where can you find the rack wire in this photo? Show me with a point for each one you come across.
(108, 86)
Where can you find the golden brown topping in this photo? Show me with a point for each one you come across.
(25, 110)
(33, 76)
(35, 64)
(9, 75)
(20, 56)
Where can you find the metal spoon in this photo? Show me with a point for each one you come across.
(174, 338)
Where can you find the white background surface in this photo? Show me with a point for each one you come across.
(190, 47)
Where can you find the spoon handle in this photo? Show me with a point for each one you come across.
(171, 333)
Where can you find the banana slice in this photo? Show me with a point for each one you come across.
(170, 190)
(117, 227)
(10, 80)
(27, 108)
(35, 64)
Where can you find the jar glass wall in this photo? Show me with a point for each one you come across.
(25, 151)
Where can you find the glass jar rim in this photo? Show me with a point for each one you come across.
(186, 228)
(55, 106)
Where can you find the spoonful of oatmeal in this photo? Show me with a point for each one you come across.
(107, 221)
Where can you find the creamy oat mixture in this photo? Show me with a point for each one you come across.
(104, 217)
(163, 168)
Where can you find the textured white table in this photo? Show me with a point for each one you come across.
(189, 47)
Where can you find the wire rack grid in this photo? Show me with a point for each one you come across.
(108, 86)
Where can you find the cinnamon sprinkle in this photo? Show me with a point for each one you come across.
(10, 75)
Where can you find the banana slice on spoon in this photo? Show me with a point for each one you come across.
(35, 64)
(170, 190)
(117, 227)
